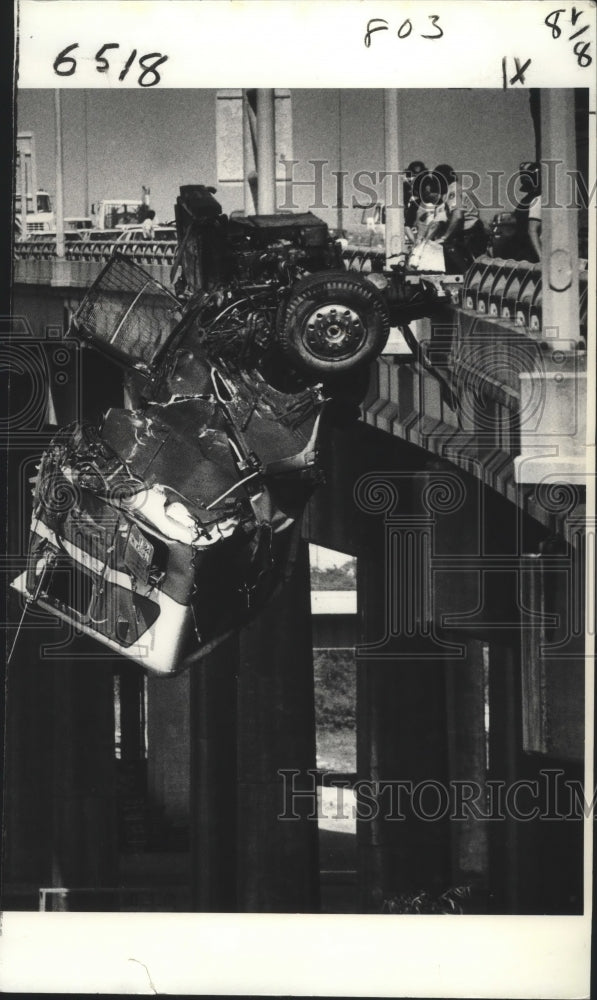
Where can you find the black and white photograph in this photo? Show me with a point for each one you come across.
(300, 478)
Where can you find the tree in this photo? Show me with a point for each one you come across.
(334, 577)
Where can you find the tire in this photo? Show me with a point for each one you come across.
(335, 321)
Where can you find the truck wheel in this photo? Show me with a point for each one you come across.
(334, 322)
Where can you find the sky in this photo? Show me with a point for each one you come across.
(165, 138)
(327, 558)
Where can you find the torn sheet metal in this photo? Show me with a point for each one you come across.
(170, 522)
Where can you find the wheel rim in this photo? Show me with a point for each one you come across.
(333, 332)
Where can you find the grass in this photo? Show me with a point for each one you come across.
(336, 750)
(335, 708)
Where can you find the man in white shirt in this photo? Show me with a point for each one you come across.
(464, 224)
(448, 218)
(147, 227)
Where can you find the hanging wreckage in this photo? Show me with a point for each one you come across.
(169, 524)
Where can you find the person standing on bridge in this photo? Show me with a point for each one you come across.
(528, 213)
(465, 237)
(148, 226)
(411, 196)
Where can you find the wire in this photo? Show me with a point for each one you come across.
(234, 487)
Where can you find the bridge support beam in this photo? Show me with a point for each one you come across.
(277, 858)
(402, 741)
(168, 752)
(213, 808)
(252, 716)
(266, 169)
(559, 236)
(60, 782)
(84, 834)
(394, 209)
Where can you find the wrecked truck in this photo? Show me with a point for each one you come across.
(168, 524)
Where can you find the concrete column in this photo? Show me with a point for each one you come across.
(340, 186)
(59, 177)
(559, 236)
(213, 776)
(132, 737)
(393, 162)
(536, 859)
(277, 858)
(465, 702)
(132, 766)
(22, 160)
(168, 754)
(505, 765)
(86, 204)
(401, 737)
(27, 860)
(266, 167)
(60, 805)
(252, 714)
(60, 815)
(552, 666)
(84, 840)
(248, 158)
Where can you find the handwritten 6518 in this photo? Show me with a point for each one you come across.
(66, 64)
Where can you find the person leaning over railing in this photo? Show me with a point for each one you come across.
(412, 198)
(526, 243)
(465, 237)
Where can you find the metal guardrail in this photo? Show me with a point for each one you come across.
(511, 290)
(363, 259)
(140, 251)
(42, 247)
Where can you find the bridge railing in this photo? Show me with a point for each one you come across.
(506, 289)
(40, 249)
(509, 290)
(140, 251)
(363, 259)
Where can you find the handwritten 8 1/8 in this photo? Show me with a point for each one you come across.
(380, 24)
(66, 65)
